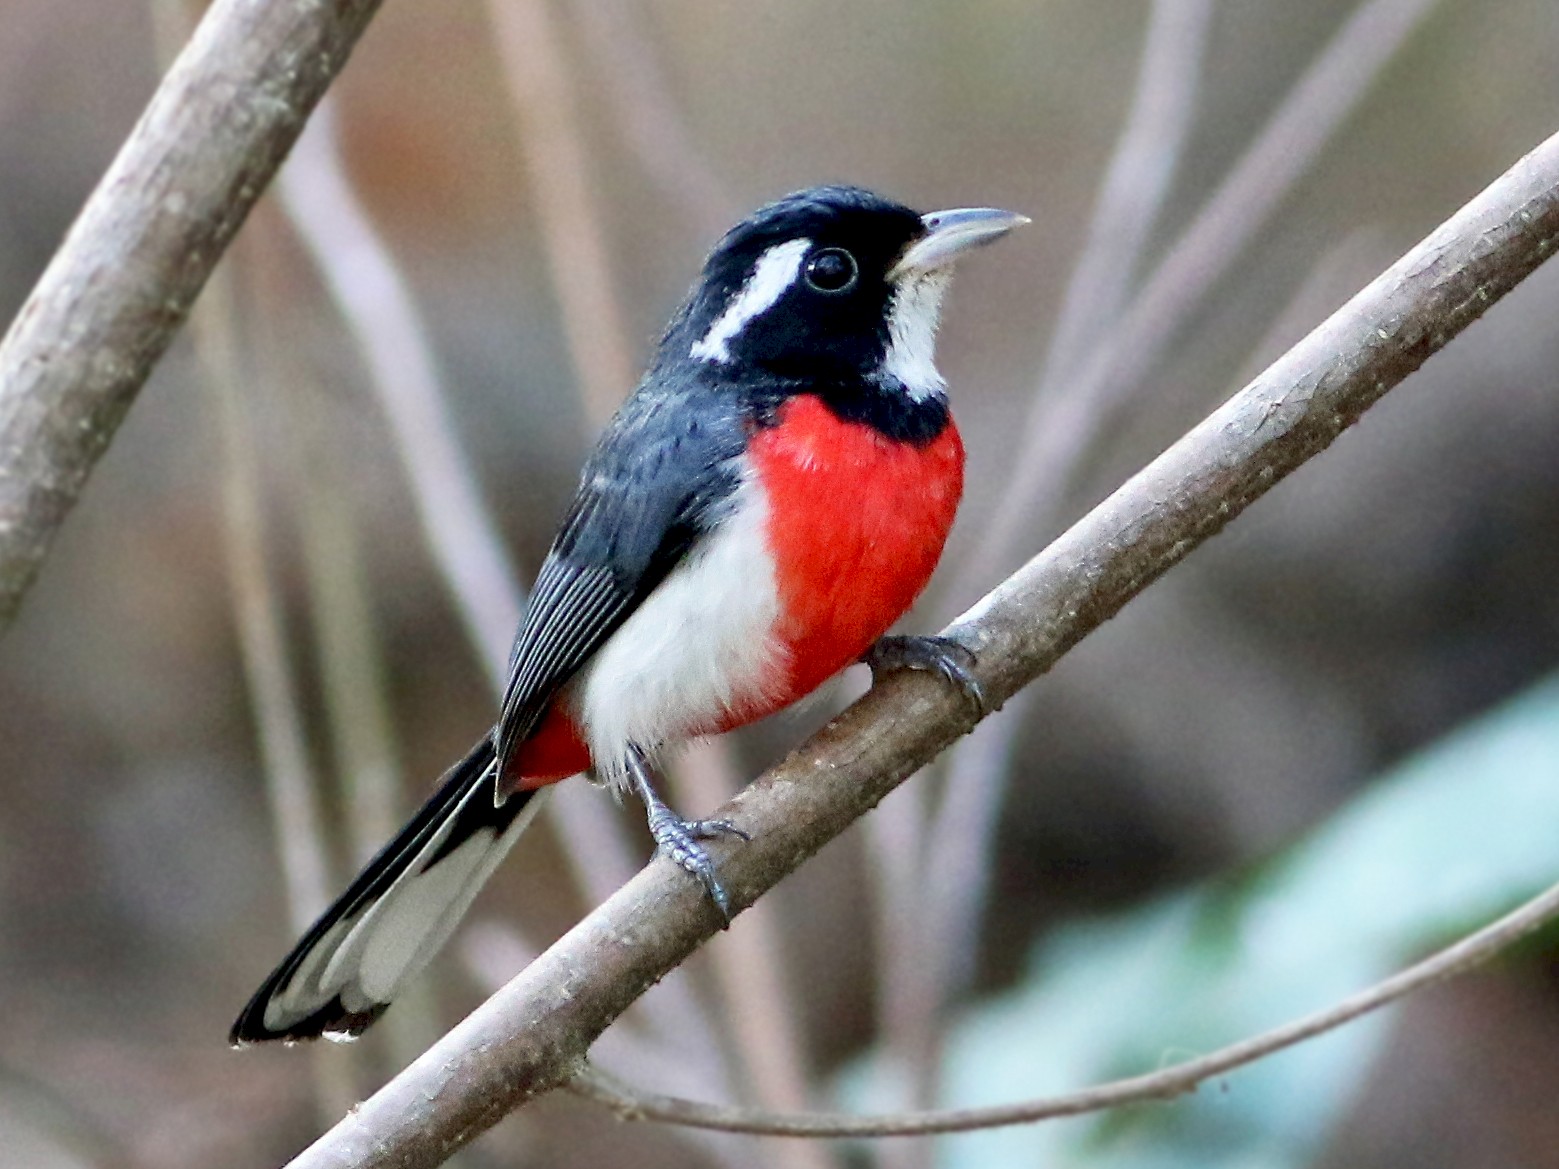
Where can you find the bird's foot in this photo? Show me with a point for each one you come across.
(678, 839)
(941, 655)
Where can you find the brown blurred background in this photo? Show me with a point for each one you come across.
(1400, 585)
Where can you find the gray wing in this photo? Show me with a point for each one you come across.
(654, 484)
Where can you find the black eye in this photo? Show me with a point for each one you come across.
(831, 270)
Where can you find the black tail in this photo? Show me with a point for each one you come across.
(397, 913)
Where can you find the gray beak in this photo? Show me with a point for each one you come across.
(951, 233)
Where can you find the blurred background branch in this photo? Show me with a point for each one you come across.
(142, 248)
(296, 818)
(461, 532)
(382, 320)
(540, 85)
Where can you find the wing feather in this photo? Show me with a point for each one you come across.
(653, 486)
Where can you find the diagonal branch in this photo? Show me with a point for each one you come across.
(123, 281)
(533, 1035)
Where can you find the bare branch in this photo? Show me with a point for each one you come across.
(1166, 1084)
(123, 281)
(377, 306)
(1062, 427)
(647, 117)
(541, 85)
(532, 1036)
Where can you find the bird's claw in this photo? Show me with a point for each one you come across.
(678, 839)
(943, 656)
(711, 829)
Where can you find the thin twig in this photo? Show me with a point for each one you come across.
(297, 819)
(374, 301)
(354, 684)
(1062, 427)
(122, 283)
(648, 117)
(544, 103)
(533, 1035)
(354, 681)
(1165, 1084)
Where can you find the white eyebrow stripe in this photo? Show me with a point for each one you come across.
(774, 272)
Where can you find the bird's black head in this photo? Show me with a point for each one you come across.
(827, 285)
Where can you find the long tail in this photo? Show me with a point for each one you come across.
(392, 919)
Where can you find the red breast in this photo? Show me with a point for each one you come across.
(856, 525)
(857, 522)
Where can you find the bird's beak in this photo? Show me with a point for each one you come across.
(951, 233)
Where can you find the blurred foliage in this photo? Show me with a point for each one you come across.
(1444, 842)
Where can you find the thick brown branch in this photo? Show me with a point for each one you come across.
(533, 1034)
(215, 132)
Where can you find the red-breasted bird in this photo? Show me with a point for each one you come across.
(767, 503)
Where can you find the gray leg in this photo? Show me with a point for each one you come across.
(941, 655)
(678, 838)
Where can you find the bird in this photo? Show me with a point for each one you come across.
(757, 515)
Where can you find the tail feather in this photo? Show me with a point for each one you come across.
(395, 915)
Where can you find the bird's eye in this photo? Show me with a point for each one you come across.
(831, 270)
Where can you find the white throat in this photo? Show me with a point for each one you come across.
(774, 272)
(913, 314)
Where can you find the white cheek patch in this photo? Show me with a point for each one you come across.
(774, 272)
(913, 314)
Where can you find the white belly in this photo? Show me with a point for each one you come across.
(702, 644)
